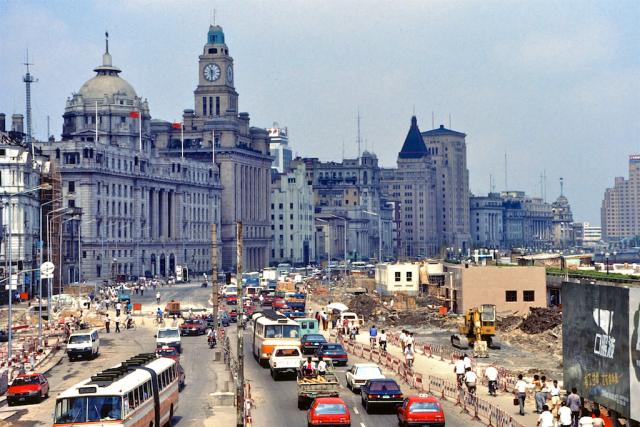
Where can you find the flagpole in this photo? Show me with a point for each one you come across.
(182, 138)
(140, 123)
(96, 122)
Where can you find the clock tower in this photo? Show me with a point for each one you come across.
(216, 92)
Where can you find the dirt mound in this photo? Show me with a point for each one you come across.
(540, 320)
(509, 323)
(428, 301)
(363, 305)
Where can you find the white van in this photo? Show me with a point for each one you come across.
(83, 345)
(169, 336)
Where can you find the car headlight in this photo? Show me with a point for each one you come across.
(33, 392)
(10, 394)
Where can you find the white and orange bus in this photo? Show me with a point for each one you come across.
(140, 392)
(271, 329)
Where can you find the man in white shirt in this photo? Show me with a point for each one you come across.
(118, 308)
(470, 378)
(585, 420)
(309, 367)
(408, 354)
(403, 336)
(492, 375)
(459, 370)
(546, 417)
(564, 415)
(554, 392)
(409, 339)
(322, 367)
(383, 341)
(521, 392)
(467, 362)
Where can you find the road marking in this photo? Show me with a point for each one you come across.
(362, 425)
(355, 409)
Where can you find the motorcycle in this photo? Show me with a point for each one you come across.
(204, 285)
(212, 342)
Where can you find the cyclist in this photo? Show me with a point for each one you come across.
(383, 341)
(129, 319)
(159, 315)
(158, 298)
(212, 335)
(470, 378)
(373, 334)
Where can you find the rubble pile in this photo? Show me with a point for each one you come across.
(428, 301)
(364, 305)
(509, 323)
(540, 320)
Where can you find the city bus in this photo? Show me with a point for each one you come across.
(140, 392)
(270, 330)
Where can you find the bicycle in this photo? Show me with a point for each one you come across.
(132, 326)
(157, 322)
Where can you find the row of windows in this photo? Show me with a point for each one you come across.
(144, 392)
(527, 296)
(409, 276)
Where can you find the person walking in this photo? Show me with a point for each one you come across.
(117, 319)
(323, 315)
(521, 392)
(118, 308)
(107, 323)
(492, 376)
(403, 336)
(537, 389)
(408, 355)
(546, 417)
(573, 402)
(564, 415)
(554, 392)
(383, 341)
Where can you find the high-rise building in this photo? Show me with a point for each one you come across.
(620, 213)
(292, 218)
(214, 132)
(592, 234)
(413, 186)
(279, 148)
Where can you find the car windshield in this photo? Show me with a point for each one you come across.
(166, 353)
(169, 333)
(425, 407)
(86, 409)
(331, 409)
(369, 371)
(316, 338)
(288, 352)
(79, 339)
(26, 381)
(383, 386)
(332, 347)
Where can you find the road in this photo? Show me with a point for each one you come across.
(276, 401)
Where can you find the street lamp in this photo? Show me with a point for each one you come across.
(607, 259)
(40, 187)
(66, 212)
(380, 252)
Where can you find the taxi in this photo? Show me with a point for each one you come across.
(421, 411)
(28, 387)
(328, 412)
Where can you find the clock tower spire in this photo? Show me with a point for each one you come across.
(215, 95)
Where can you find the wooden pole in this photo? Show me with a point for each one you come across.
(214, 271)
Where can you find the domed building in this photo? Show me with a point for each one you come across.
(141, 213)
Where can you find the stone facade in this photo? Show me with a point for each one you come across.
(620, 212)
(215, 133)
(142, 213)
(527, 221)
(292, 218)
(486, 215)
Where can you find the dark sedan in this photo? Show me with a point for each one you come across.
(309, 342)
(332, 351)
(381, 393)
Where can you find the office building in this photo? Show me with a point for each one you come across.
(620, 212)
(486, 218)
(279, 148)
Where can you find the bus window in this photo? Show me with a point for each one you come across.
(291, 331)
(136, 398)
(273, 331)
(83, 409)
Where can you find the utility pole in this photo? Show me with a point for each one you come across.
(240, 378)
(214, 271)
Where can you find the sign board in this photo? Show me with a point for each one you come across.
(14, 279)
(601, 348)
(13, 288)
(47, 269)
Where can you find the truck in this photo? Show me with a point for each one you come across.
(352, 317)
(284, 359)
(311, 388)
(295, 302)
(124, 295)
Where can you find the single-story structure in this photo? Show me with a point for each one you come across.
(403, 277)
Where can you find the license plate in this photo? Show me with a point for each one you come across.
(21, 399)
(79, 356)
(386, 397)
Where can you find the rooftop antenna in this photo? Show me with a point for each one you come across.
(506, 181)
(359, 140)
(28, 79)
(561, 188)
(106, 34)
(433, 120)
(545, 185)
(214, 16)
(343, 150)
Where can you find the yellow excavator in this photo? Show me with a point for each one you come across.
(479, 329)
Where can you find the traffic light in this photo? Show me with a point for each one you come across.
(185, 274)
(228, 278)
(20, 265)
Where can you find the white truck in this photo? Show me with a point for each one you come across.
(352, 317)
(284, 359)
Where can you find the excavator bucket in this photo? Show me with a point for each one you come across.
(480, 349)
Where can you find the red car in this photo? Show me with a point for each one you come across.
(233, 314)
(168, 352)
(193, 326)
(279, 303)
(421, 410)
(328, 411)
(28, 387)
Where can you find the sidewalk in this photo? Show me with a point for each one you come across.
(444, 369)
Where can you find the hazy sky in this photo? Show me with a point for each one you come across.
(555, 84)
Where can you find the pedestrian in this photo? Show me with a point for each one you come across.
(310, 313)
(597, 420)
(383, 341)
(585, 419)
(537, 388)
(408, 355)
(573, 402)
(546, 417)
(107, 323)
(470, 379)
(564, 415)
(142, 290)
(118, 308)
(554, 392)
(467, 362)
(106, 303)
(324, 320)
(521, 392)
(117, 319)
(345, 325)
(403, 336)
(459, 370)
(492, 375)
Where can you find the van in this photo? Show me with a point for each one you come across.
(351, 317)
(83, 345)
(308, 326)
(169, 336)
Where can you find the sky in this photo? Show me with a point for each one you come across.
(554, 85)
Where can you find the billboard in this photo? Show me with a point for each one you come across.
(601, 355)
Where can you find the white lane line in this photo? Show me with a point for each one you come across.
(362, 425)
(355, 409)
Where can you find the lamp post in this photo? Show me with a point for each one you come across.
(380, 252)
(138, 250)
(607, 260)
(329, 245)
(40, 187)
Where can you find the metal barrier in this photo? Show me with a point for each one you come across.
(357, 349)
(417, 382)
(375, 355)
(366, 352)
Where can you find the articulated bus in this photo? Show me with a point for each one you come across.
(140, 392)
(270, 330)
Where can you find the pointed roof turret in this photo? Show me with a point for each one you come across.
(414, 147)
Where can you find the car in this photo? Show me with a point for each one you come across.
(421, 410)
(309, 342)
(210, 320)
(233, 314)
(168, 352)
(28, 387)
(284, 359)
(232, 300)
(380, 393)
(193, 326)
(223, 318)
(169, 336)
(332, 351)
(328, 411)
(268, 300)
(360, 373)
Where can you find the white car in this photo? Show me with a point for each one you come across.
(360, 373)
(284, 359)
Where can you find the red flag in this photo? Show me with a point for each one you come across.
(135, 114)
(177, 125)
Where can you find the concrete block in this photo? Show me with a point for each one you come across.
(223, 399)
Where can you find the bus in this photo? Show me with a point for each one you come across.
(140, 392)
(271, 329)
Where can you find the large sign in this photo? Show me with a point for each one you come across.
(601, 355)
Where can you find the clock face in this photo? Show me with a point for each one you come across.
(211, 72)
(229, 74)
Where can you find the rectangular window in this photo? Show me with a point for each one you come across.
(528, 296)
(217, 105)
(72, 187)
(512, 296)
(204, 105)
(409, 276)
(398, 276)
(211, 106)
